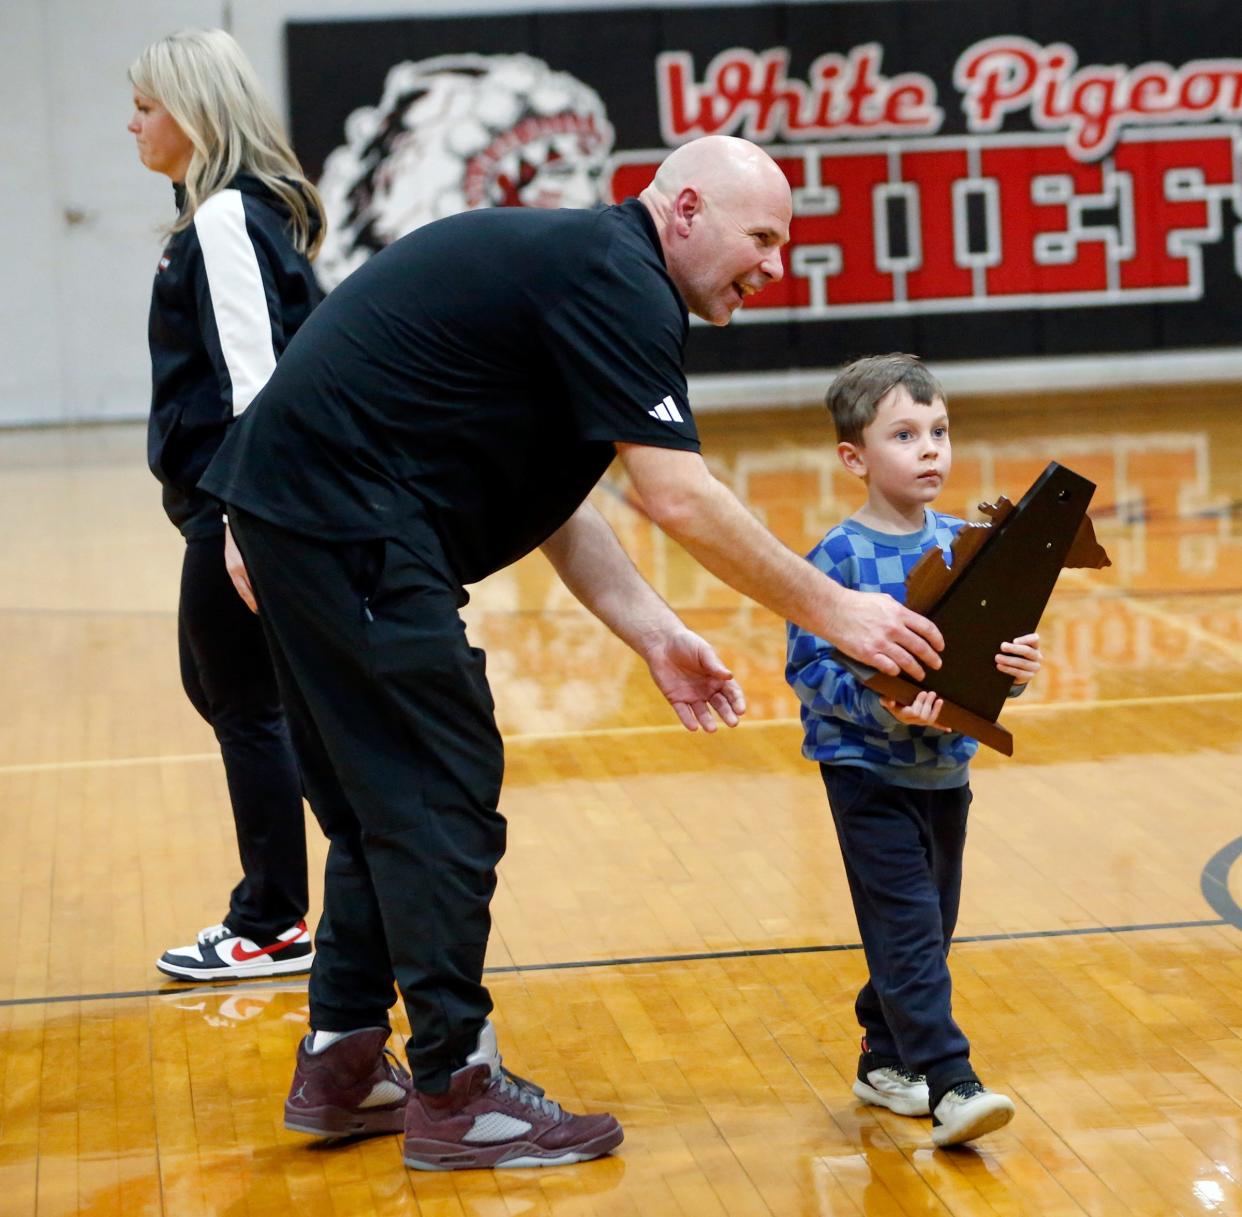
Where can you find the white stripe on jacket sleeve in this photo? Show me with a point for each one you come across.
(237, 295)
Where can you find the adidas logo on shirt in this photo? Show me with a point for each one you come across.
(666, 410)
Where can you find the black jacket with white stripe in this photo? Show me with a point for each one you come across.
(230, 291)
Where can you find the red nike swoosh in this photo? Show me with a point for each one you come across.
(240, 954)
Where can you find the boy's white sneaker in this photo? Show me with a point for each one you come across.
(969, 1110)
(899, 1089)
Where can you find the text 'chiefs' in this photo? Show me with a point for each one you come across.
(1012, 221)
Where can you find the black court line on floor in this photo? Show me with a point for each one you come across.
(277, 982)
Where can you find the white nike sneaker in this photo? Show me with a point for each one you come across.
(219, 954)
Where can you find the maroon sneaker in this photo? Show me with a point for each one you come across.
(489, 1118)
(354, 1087)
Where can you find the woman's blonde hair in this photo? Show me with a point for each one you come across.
(204, 80)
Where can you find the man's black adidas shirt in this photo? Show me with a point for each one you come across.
(476, 372)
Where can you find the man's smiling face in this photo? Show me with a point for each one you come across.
(731, 248)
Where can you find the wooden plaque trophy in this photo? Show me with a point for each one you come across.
(993, 590)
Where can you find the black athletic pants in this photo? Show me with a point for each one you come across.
(902, 850)
(227, 675)
(392, 720)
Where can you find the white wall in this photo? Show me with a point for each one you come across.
(78, 213)
(30, 378)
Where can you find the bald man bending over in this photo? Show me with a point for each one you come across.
(445, 411)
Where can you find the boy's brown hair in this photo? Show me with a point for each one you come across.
(856, 393)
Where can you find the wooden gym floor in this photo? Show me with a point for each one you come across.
(673, 938)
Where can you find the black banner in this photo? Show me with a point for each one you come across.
(971, 179)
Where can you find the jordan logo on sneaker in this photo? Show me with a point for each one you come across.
(667, 411)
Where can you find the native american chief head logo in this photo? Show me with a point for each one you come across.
(454, 133)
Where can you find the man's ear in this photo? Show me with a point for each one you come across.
(687, 207)
(853, 457)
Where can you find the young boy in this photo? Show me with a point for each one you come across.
(898, 784)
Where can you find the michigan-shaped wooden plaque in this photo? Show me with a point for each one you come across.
(993, 588)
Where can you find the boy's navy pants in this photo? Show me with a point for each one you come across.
(902, 849)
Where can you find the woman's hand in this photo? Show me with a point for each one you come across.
(236, 566)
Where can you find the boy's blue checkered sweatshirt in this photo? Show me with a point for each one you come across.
(843, 720)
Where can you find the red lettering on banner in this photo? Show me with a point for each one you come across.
(1057, 230)
(997, 76)
(1149, 94)
(939, 275)
(833, 251)
(792, 292)
(631, 179)
(750, 94)
(1030, 262)
(906, 108)
(1178, 189)
(1009, 74)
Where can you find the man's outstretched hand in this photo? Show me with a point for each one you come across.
(697, 685)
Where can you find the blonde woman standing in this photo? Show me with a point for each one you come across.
(233, 285)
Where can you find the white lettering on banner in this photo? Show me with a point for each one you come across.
(972, 223)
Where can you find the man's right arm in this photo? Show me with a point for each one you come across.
(682, 497)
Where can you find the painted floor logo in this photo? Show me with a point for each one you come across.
(455, 133)
(1214, 883)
